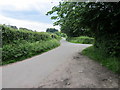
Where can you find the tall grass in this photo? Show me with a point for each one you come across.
(111, 63)
(81, 39)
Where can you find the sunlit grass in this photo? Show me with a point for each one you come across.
(81, 39)
(111, 63)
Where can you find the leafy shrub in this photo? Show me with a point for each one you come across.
(63, 35)
(21, 44)
(108, 44)
(81, 39)
(14, 52)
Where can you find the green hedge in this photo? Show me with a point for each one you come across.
(19, 44)
(15, 52)
(10, 35)
(81, 39)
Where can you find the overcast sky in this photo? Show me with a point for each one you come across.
(27, 13)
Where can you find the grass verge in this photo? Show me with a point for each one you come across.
(81, 39)
(111, 63)
(14, 53)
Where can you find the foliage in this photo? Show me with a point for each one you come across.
(60, 34)
(55, 36)
(81, 39)
(111, 63)
(25, 29)
(55, 32)
(10, 35)
(63, 35)
(21, 44)
(52, 30)
(97, 19)
(15, 52)
(69, 20)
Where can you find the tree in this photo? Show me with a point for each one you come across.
(101, 19)
(52, 30)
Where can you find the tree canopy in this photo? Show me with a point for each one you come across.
(52, 30)
(98, 19)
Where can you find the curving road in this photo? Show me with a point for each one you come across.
(30, 72)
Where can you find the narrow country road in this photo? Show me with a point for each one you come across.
(30, 72)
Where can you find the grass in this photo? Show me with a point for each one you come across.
(111, 63)
(81, 39)
(14, 53)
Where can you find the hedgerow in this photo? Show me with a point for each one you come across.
(10, 35)
(19, 44)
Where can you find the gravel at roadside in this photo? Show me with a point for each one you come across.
(81, 72)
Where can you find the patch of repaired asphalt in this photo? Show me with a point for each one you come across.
(81, 72)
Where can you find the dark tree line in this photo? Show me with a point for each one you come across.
(52, 30)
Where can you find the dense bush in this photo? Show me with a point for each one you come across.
(55, 36)
(10, 35)
(111, 63)
(81, 39)
(58, 34)
(108, 44)
(14, 52)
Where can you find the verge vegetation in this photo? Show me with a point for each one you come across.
(81, 39)
(21, 44)
(111, 63)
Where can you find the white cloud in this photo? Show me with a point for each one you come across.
(22, 5)
(38, 26)
(42, 6)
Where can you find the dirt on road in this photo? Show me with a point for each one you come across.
(81, 72)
